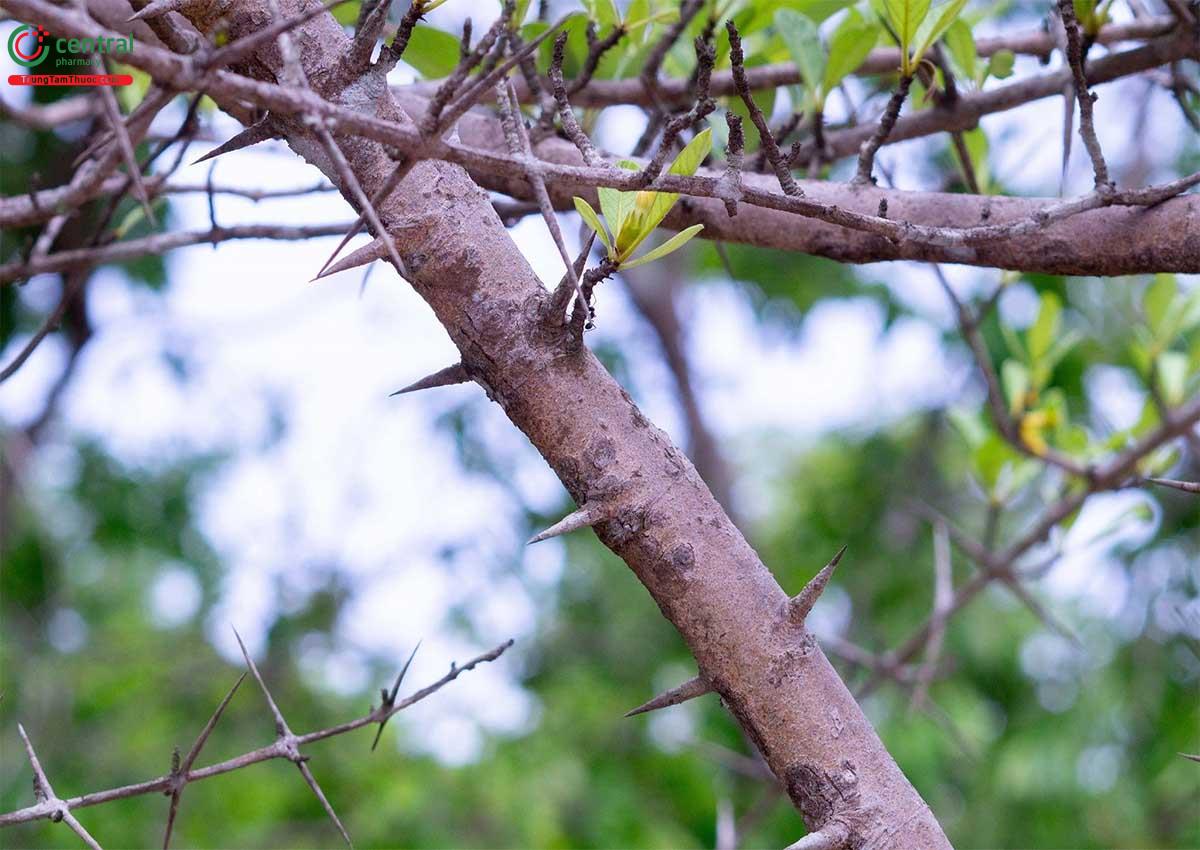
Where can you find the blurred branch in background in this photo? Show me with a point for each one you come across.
(286, 746)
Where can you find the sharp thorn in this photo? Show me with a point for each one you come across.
(692, 688)
(249, 137)
(389, 699)
(572, 521)
(325, 804)
(803, 602)
(448, 377)
(158, 7)
(376, 250)
(1185, 486)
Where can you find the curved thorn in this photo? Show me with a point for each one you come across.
(692, 688)
(803, 602)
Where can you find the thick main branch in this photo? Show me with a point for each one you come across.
(660, 517)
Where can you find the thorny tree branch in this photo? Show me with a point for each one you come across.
(286, 746)
(475, 281)
(1087, 126)
(905, 238)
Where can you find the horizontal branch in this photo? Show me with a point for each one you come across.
(164, 784)
(159, 243)
(1005, 233)
(678, 91)
(1087, 239)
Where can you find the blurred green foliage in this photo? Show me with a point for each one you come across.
(1032, 743)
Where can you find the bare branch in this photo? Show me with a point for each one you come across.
(1087, 128)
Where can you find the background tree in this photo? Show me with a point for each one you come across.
(1008, 482)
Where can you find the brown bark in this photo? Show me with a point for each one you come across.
(662, 520)
(1107, 241)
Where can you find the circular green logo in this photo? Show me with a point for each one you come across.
(27, 45)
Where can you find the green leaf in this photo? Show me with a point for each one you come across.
(1015, 378)
(673, 244)
(1045, 328)
(803, 43)
(431, 52)
(814, 10)
(1156, 301)
(685, 165)
(848, 47)
(1000, 65)
(603, 12)
(977, 148)
(961, 44)
(905, 17)
(1172, 375)
(932, 28)
(347, 13)
(593, 221)
(617, 205)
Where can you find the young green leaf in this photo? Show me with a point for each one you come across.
(932, 27)
(848, 47)
(616, 205)
(671, 245)
(1172, 376)
(1045, 327)
(1156, 302)
(1000, 65)
(906, 17)
(593, 221)
(1015, 378)
(803, 44)
(961, 45)
(431, 52)
(685, 165)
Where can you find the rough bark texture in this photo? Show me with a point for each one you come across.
(1108, 241)
(664, 522)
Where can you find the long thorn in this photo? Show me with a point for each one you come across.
(281, 727)
(369, 253)
(692, 688)
(1185, 486)
(252, 135)
(451, 375)
(316, 789)
(186, 765)
(390, 698)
